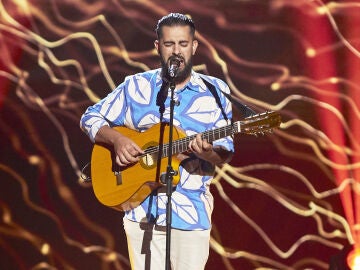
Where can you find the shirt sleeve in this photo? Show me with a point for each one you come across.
(109, 111)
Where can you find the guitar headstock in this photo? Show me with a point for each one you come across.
(261, 123)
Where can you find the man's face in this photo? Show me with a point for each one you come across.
(177, 41)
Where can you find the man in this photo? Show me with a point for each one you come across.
(134, 104)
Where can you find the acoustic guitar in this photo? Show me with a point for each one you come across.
(124, 188)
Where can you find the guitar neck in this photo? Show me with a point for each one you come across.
(182, 145)
(256, 124)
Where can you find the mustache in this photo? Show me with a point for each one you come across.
(177, 57)
(181, 74)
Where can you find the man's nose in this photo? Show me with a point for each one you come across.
(176, 49)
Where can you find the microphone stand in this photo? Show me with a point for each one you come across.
(170, 172)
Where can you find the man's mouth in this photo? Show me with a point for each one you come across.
(179, 58)
(181, 61)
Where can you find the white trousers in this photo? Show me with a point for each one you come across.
(189, 250)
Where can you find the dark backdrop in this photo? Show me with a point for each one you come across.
(288, 200)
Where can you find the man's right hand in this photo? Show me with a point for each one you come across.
(126, 150)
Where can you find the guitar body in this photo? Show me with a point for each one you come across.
(124, 188)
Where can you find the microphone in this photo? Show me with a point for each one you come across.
(174, 64)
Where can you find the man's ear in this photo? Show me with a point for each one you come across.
(156, 44)
(195, 44)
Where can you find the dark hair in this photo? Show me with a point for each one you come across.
(174, 19)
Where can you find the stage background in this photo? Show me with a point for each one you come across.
(288, 200)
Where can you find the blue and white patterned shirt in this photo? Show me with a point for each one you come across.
(133, 104)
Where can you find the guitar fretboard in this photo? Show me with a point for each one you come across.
(256, 124)
(182, 145)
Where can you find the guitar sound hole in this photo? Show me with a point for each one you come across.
(149, 160)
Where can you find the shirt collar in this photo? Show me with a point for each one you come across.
(195, 83)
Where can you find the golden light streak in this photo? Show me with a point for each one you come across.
(72, 53)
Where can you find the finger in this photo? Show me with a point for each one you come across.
(194, 143)
(134, 151)
(191, 145)
(137, 149)
(120, 161)
(207, 146)
(199, 140)
(125, 158)
(130, 156)
(117, 160)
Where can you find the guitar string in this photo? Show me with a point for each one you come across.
(183, 142)
(222, 130)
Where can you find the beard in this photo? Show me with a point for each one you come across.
(182, 75)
